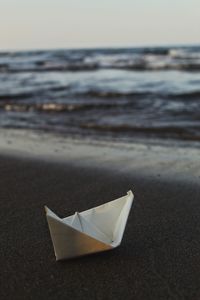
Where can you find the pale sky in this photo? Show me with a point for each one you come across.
(38, 24)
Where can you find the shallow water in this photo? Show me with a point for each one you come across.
(121, 93)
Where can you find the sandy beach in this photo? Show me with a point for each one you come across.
(159, 256)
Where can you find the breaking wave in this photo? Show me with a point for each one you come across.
(138, 59)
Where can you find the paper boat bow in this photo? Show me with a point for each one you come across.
(98, 229)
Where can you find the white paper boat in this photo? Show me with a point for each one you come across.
(98, 229)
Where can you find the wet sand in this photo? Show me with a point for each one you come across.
(159, 257)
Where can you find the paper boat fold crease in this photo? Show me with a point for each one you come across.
(97, 229)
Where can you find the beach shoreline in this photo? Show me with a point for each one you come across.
(177, 161)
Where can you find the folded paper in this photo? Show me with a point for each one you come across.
(98, 229)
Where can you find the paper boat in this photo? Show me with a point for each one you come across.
(98, 229)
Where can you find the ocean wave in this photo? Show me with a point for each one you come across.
(186, 54)
(15, 96)
(129, 66)
(138, 59)
(109, 94)
(155, 51)
(49, 67)
(194, 95)
(34, 93)
(92, 95)
(158, 65)
(138, 95)
(54, 107)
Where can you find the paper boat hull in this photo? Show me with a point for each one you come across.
(95, 230)
(69, 243)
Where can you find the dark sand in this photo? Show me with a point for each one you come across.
(159, 257)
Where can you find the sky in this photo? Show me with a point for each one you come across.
(44, 24)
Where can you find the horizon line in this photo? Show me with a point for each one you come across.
(156, 45)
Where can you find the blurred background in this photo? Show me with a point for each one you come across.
(120, 70)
